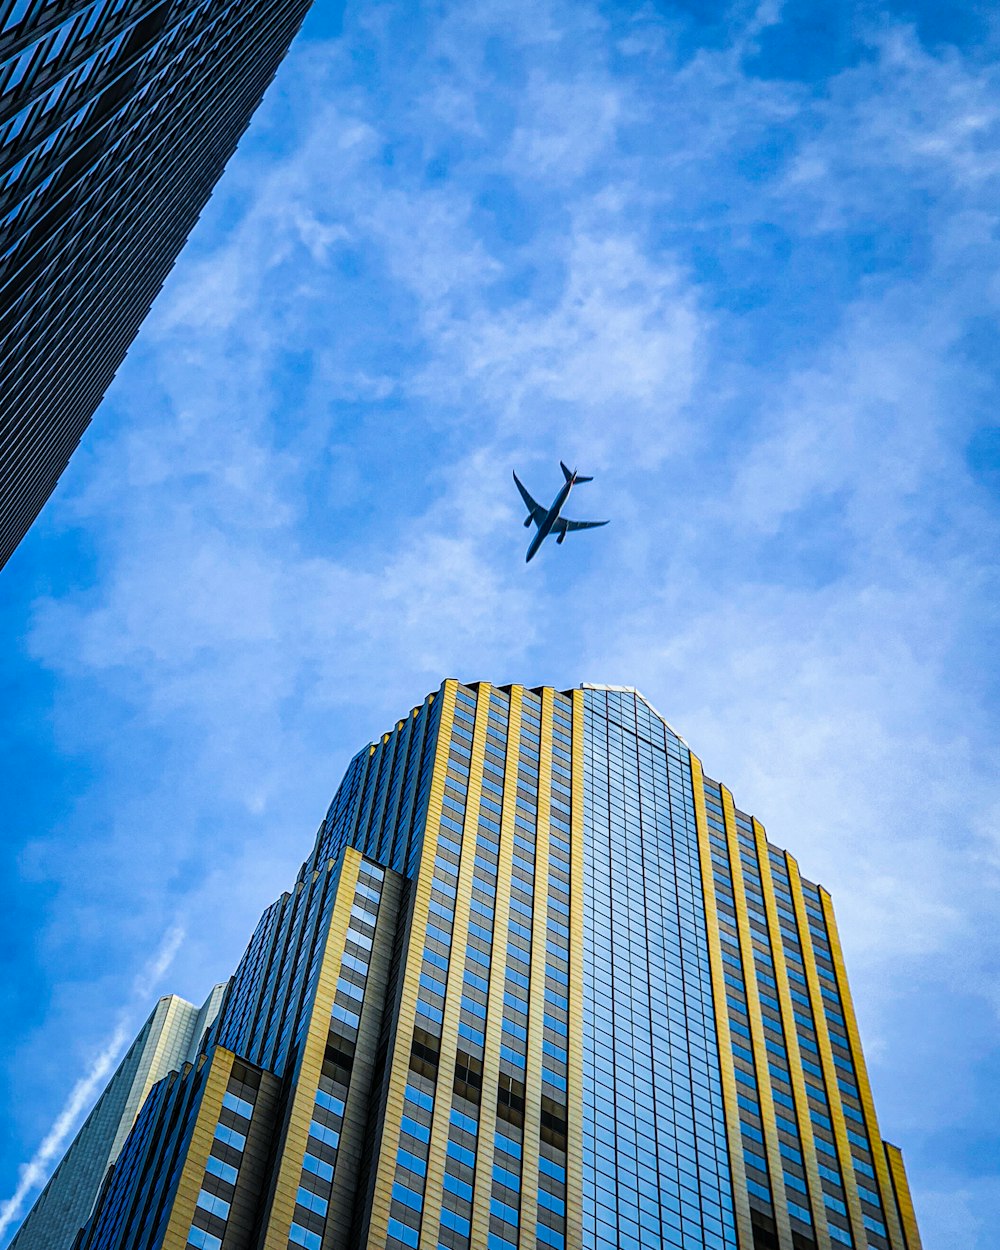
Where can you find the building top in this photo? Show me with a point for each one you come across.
(600, 685)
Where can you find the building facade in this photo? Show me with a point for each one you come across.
(539, 984)
(171, 1036)
(116, 119)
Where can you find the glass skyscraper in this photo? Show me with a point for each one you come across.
(116, 119)
(171, 1035)
(539, 984)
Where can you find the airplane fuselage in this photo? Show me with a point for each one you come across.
(545, 528)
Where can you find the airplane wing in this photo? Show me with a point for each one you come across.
(564, 526)
(534, 508)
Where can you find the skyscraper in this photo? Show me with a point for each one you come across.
(170, 1036)
(116, 119)
(539, 984)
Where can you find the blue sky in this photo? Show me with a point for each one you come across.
(741, 263)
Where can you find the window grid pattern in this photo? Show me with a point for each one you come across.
(380, 807)
(312, 1200)
(218, 1186)
(408, 1188)
(121, 113)
(656, 1164)
(269, 1002)
(508, 999)
(831, 1173)
(758, 1112)
(136, 1173)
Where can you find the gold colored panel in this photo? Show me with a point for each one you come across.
(536, 991)
(430, 1225)
(904, 1202)
(795, 1068)
(310, 1067)
(202, 1136)
(399, 1067)
(826, 1055)
(741, 1201)
(574, 1112)
(861, 1070)
(764, 1091)
(353, 1133)
(494, 1009)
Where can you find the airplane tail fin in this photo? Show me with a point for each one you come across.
(567, 474)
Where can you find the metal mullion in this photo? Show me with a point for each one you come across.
(536, 991)
(430, 1224)
(386, 1146)
(54, 71)
(861, 1073)
(727, 1069)
(11, 433)
(842, 1145)
(574, 1093)
(483, 1186)
(12, 43)
(795, 1069)
(765, 1096)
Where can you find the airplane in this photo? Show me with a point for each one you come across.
(548, 520)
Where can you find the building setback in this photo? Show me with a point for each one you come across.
(116, 119)
(172, 1035)
(539, 984)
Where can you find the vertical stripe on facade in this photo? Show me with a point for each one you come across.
(826, 1056)
(407, 1008)
(430, 1225)
(350, 1151)
(765, 1095)
(193, 1170)
(310, 1064)
(536, 993)
(904, 1202)
(816, 1203)
(574, 1108)
(861, 1074)
(494, 1011)
(741, 1201)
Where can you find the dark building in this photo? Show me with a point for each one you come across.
(540, 985)
(116, 119)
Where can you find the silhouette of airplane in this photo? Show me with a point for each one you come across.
(549, 520)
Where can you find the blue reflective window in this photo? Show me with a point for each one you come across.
(402, 1232)
(239, 1105)
(202, 1240)
(213, 1204)
(225, 1171)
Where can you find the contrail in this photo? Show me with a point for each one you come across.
(36, 1171)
